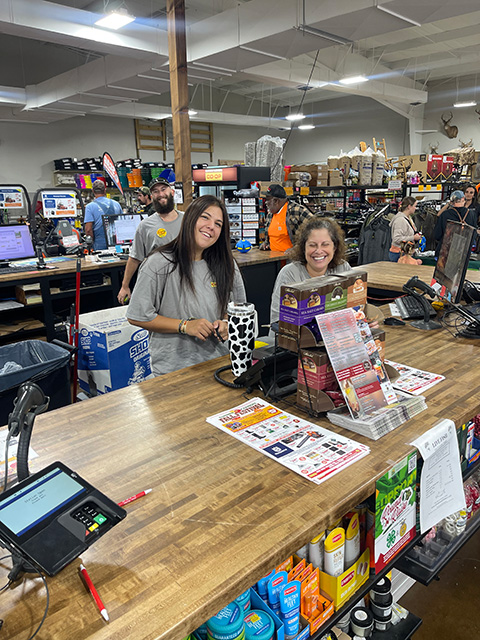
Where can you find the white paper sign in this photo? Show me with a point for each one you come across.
(441, 483)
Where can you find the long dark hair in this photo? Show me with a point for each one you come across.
(219, 258)
(334, 231)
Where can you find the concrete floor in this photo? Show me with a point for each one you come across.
(450, 607)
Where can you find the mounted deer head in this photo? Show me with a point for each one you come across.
(477, 112)
(434, 147)
(450, 130)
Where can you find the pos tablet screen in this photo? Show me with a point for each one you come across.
(53, 516)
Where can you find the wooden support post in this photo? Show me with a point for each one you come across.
(177, 51)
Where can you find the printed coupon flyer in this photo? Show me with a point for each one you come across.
(354, 356)
(311, 451)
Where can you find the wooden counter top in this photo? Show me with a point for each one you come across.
(256, 256)
(220, 515)
(61, 268)
(391, 276)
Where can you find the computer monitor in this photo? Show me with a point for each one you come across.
(120, 229)
(15, 243)
(452, 263)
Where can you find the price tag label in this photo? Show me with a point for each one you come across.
(304, 191)
(394, 185)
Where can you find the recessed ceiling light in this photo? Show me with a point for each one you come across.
(353, 80)
(115, 20)
(304, 127)
(294, 116)
(192, 112)
(459, 105)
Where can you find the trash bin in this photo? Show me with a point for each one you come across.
(47, 364)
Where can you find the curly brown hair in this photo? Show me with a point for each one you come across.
(334, 231)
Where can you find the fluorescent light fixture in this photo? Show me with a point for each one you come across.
(398, 15)
(304, 127)
(353, 80)
(192, 112)
(427, 131)
(115, 20)
(294, 116)
(459, 105)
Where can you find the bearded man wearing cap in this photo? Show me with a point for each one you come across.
(152, 232)
(456, 211)
(144, 197)
(283, 219)
(101, 206)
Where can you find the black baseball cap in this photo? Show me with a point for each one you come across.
(156, 181)
(275, 191)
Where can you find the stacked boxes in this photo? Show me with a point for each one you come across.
(300, 303)
(335, 178)
(322, 175)
(314, 377)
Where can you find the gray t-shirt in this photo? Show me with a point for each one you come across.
(158, 292)
(154, 232)
(295, 272)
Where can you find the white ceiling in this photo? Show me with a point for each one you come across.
(246, 57)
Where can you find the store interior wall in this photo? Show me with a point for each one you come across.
(441, 98)
(28, 150)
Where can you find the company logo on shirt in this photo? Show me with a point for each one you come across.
(161, 233)
(213, 284)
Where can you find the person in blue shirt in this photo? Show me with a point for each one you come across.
(101, 206)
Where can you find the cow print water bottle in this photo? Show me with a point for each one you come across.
(241, 335)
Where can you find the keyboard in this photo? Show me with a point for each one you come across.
(411, 309)
(5, 270)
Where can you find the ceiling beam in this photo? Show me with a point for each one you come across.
(50, 22)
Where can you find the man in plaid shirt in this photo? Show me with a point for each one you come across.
(282, 220)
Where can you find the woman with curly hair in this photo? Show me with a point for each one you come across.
(319, 250)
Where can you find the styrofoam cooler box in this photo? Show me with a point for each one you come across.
(112, 353)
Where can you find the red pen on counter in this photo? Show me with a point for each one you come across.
(93, 591)
(135, 497)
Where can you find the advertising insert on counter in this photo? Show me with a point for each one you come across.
(309, 450)
(395, 510)
(358, 367)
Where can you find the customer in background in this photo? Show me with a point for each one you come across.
(152, 232)
(283, 219)
(318, 251)
(403, 227)
(456, 211)
(183, 289)
(471, 200)
(101, 206)
(407, 250)
(144, 198)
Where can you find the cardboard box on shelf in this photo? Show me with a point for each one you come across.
(112, 353)
(335, 178)
(341, 588)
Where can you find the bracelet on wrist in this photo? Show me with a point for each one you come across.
(182, 327)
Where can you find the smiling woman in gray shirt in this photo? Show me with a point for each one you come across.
(183, 289)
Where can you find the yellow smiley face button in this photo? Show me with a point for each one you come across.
(161, 233)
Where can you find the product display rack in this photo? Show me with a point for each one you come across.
(400, 564)
(344, 190)
(401, 631)
(361, 593)
(426, 575)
